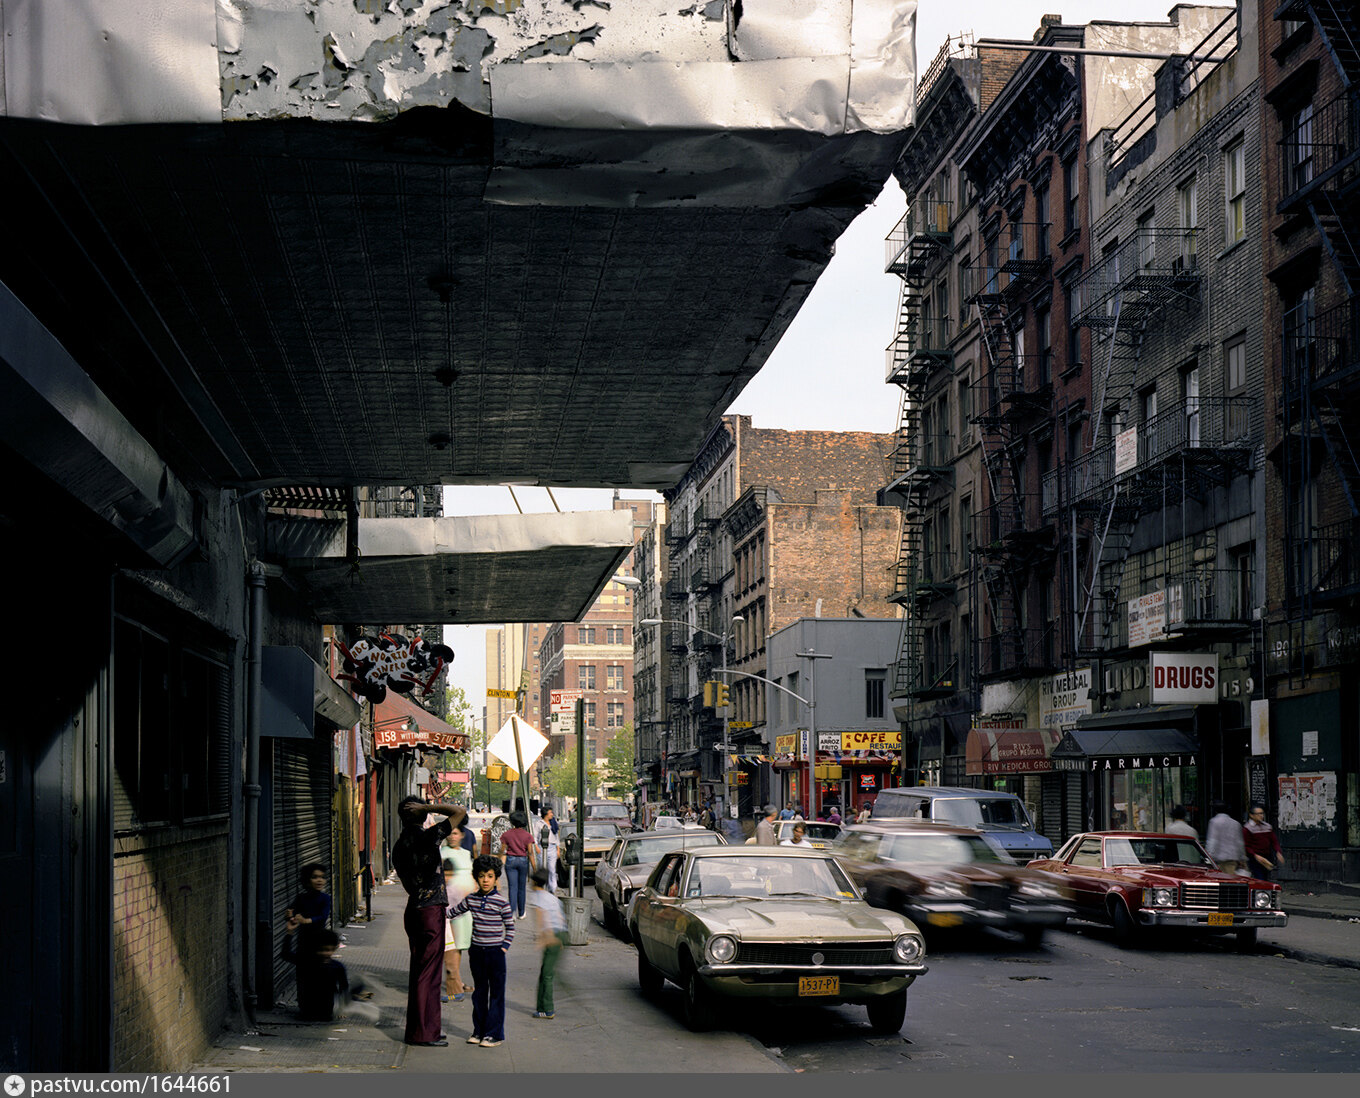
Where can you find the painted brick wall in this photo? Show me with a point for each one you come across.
(797, 464)
(170, 933)
(839, 551)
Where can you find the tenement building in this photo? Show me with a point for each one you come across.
(1306, 751)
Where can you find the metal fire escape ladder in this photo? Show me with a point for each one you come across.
(1339, 29)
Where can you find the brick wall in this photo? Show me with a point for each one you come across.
(798, 463)
(835, 550)
(170, 935)
(997, 67)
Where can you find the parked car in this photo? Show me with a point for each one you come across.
(944, 877)
(599, 837)
(613, 811)
(671, 823)
(1002, 815)
(774, 924)
(819, 835)
(630, 861)
(1134, 881)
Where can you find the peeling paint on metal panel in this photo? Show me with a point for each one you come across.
(771, 29)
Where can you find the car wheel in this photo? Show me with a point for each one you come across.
(1033, 937)
(649, 976)
(1246, 939)
(1126, 928)
(887, 1014)
(697, 1004)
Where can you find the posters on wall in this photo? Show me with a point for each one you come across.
(1307, 801)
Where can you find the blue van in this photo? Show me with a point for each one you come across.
(1001, 815)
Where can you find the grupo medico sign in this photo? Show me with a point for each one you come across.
(1183, 677)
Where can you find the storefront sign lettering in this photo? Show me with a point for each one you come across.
(389, 661)
(1064, 698)
(870, 741)
(1184, 677)
(1126, 762)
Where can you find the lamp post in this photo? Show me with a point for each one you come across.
(721, 638)
(813, 655)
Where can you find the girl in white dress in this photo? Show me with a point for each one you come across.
(458, 882)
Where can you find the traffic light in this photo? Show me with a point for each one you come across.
(709, 692)
(721, 700)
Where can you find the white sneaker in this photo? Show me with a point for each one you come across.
(490, 1042)
(474, 1040)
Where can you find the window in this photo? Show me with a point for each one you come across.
(586, 676)
(873, 694)
(615, 714)
(1298, 149)
(1235, 384)
(1073, 331)
(1298, 337)
(966, 529)
(1147, 403)
(171, 730)
(1147, 243)
(945, 530)
(613, 676)
(1071, 197)
(1041, 215)
(1043, 323)
(965, 409)
(1187, 206)
(965, 288)
(1190, 397)
(585, 634)
(1242, 567)
(1234, 193)
(590, 715)
(616, 634)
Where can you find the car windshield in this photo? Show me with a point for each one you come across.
(606, 812)
(940, 850)
(662, 823)
(980, 811)
(1121, 852)
(773, 876)
(648, 851)
(819, 831)
(601, 830)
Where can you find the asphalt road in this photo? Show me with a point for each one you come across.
(1078, 1004)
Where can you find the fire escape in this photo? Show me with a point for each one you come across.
(917, 246)
(1168, 456)
(1320, 180)
(1010, 534)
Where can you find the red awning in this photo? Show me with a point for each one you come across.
(398, 722)
(1010, 750)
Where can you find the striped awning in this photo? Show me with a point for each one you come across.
(1010, 750)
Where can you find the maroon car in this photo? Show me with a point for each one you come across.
(1134, 880)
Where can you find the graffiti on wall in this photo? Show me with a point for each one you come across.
(1307, 801)
(389, 661)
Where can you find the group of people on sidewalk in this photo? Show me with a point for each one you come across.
(1252, 846)
(448, 914)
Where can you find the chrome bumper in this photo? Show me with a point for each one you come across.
(814, 970)
(1149, 916)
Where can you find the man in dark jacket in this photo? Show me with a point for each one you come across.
(415, 856)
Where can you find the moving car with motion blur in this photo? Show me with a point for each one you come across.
(950, 878)
(1137, 882)
(776, 925)
(630, 862)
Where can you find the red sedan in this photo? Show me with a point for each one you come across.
(1133, 881)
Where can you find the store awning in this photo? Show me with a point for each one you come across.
(1125, 749)
(1010, 750)
(297, 690)
(399, 722)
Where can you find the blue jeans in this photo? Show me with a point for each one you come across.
(488, 996)
(516, 877)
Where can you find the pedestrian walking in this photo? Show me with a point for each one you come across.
(1264, 853)
(416, 858)
(517, 855)
(765, 829)
(787, 813)
(551, 844)
(551, 929)
(321, 979)
(799, 837)
(1223, 839)
(1179, 825)
(458, 882)
(493, 929)
(865, 807)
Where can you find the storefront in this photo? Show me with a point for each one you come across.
(1133, 777)
(1019, 761)
(850, 769)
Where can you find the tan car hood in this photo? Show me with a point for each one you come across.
(782, 918)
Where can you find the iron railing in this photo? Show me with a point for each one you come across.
(923, 342)
(924, 223)
(1150, 258)
(1319, 146)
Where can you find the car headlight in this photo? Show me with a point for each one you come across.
(721, 948)
(1159, 897)
(1263, 897)
(1036, 890)
(945, 888)
(909, 948)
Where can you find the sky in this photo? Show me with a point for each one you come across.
(827, 373)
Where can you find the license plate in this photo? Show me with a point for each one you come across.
(944, 918)
(819, 985)
(1220, 920)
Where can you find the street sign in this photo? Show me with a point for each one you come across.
(562, 711)
(740, 724)
(512, 695)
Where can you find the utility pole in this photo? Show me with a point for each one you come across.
(813, 655)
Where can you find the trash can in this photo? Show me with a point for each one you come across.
(578, 920)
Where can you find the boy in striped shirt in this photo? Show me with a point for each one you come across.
(493, 929)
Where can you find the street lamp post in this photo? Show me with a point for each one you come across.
(721, 638)
(813, 655)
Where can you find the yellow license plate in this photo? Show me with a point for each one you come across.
(819, 985)
(1220, 920)
(944, 918)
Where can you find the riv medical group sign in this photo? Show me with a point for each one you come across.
(1183, 678)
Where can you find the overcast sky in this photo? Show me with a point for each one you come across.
(827, 372)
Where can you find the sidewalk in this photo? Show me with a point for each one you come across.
(1324, 924)
(603, 1023)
